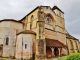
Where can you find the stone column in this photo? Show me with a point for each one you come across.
(73, 45)
(59, 51)
(40, 41)
(52, 51)
(66, 51)
(77, 43)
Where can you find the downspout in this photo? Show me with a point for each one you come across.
(22, 49)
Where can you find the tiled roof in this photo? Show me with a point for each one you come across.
(10, 20)
(29, 13)
(55, 7)
(70, 37)
(54, 43)
(27, 32)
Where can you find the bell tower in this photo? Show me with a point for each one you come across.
(60, 23)
(40, 41)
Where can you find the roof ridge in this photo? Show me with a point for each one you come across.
(27, 32)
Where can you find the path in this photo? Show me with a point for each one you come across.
(55, 58)
(59, 57)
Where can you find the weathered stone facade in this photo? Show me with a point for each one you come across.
(27, 37)
(8, 50)
(23, 51)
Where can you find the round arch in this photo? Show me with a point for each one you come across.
(49, 22)
(50, 17)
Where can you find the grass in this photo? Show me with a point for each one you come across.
(7, 58)
(73, 56)
(62, 59)
(50, 59)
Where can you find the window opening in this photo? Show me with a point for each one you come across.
(7, 41)
(25, 46)
(48, 20)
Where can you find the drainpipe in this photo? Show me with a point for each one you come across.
(22, 49)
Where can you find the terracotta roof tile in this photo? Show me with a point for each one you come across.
(27, 32)
(70, 37)
(55, 7)
(54, 43)
(10, 20)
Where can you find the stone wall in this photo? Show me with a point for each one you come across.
(57, 36)
(21, 50)
(73, 45)
(8, 50)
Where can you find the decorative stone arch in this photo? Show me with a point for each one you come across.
(52, 19)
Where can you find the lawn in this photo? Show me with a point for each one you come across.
(62, 59)
(7, 58)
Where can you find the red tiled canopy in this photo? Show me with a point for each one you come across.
(54, 43)
(70, 37)
(27, 32)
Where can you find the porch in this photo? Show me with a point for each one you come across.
(54, 47)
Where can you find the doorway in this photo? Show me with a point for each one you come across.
(56, 52)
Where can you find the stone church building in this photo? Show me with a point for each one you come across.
(39, 35)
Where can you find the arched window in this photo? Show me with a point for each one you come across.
(32, 18)
(7, 41)
(48, 19)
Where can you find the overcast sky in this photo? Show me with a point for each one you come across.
(17, 9)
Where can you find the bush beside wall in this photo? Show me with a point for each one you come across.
(74, 56)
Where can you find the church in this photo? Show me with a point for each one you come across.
(41, 34)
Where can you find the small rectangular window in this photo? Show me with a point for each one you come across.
(25, 46)
(46, 7)
(7, 41)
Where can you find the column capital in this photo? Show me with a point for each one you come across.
(59, 48)
(52, 47)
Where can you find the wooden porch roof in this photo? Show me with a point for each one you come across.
(54, 43)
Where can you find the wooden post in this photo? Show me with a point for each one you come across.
(52, 51)
(59, 51)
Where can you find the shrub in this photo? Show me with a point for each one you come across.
(73, 56)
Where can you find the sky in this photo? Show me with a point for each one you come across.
(17, 9)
